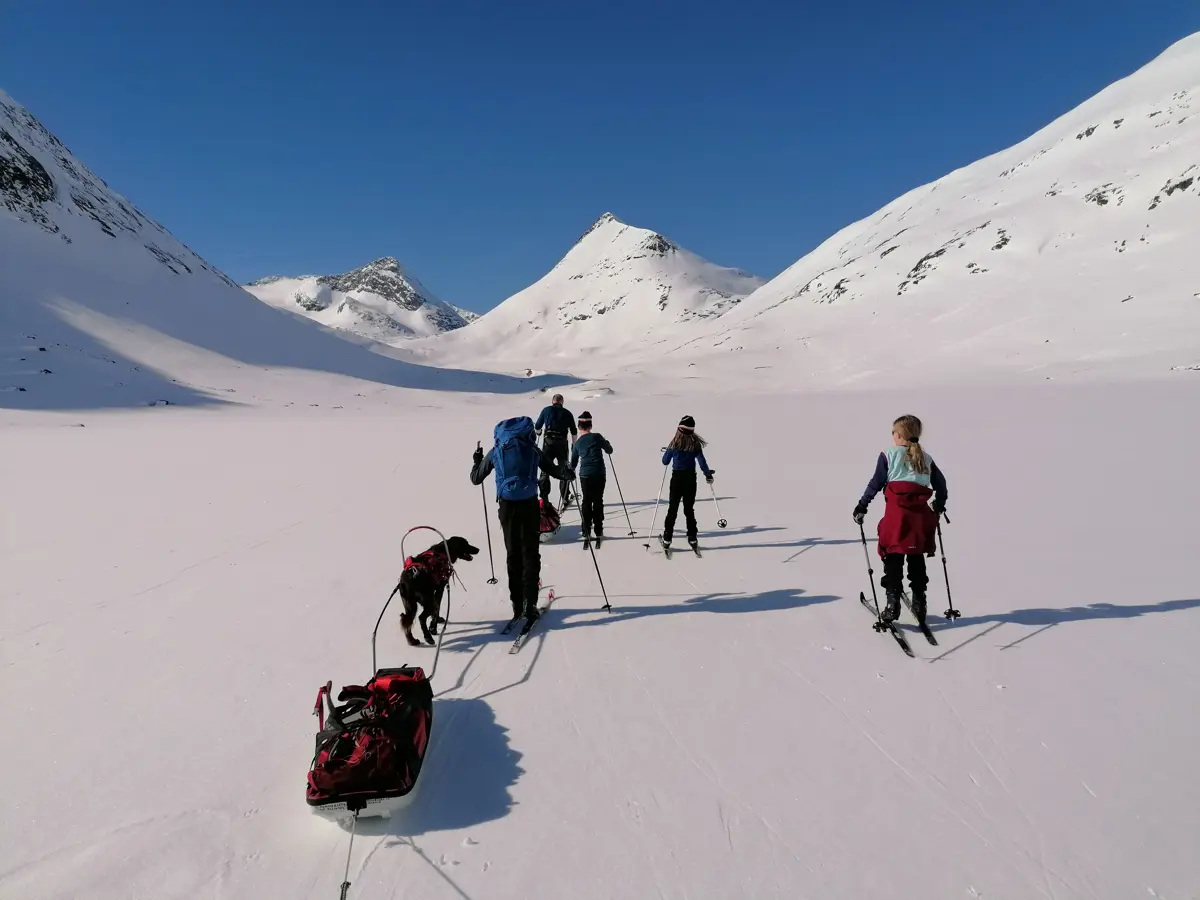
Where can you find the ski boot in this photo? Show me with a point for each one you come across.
(531, 615)
(918, 606)
(891, 608)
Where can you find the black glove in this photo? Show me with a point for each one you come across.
(860, 513)
(939, 508)
(709, 476)
(478, 457)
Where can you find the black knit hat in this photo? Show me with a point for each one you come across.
(585, 417)
(687, 423)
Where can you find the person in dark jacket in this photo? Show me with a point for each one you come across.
(557, 422)
(908, 477)
(587, 459)
(520, 515)
(685, 451)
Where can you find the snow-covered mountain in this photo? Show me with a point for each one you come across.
(618, 290)
(44, 186)
(1073, 251)
(101, 307)
(380, 301)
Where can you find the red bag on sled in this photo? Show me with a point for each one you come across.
(370, 749)
(549, 517)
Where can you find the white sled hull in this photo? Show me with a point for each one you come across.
(376, 808)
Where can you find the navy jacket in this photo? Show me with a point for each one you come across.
(557, 420)
(588, 455)
(685, 461)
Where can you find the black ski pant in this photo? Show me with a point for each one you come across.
(683, 487)
(558, 453)
(520, 521)
(893, 573)
(591, 507)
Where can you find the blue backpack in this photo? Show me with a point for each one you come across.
(515, 459)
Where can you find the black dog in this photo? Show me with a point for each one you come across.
(424, 582)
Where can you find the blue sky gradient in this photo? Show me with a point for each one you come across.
(476, 140)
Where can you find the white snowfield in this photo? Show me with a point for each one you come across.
(381, 301)
(178, 582)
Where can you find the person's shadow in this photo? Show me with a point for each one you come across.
(562, 617)
(1045, 618)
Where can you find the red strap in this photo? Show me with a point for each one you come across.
(318, 709)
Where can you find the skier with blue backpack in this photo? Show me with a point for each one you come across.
(516, 460)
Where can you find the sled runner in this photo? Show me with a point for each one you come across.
(370, 747)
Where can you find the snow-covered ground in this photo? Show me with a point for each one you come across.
(178, 582)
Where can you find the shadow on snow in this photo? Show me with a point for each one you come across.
(469, 771)
(560, 618)
(1044, 618)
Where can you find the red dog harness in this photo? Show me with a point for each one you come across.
(435, 563)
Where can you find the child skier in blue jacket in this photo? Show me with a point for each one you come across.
(683, 453)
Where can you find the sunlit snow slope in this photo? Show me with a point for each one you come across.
(1072, 252)
(380, 301)
(101, 307)
(618, 292)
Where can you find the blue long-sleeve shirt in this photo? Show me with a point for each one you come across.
(686, 460)
(880, 479)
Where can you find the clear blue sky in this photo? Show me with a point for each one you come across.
(475, 140)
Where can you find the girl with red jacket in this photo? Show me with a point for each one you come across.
(908, 477)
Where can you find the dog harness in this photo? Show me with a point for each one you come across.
(435, 563)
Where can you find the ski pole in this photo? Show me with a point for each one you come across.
(721, 523)
(607, 605)
(487, 524)
(950, 613)
(656, 502)
(879, 625)
(622, 496)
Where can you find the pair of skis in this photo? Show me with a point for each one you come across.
(528, 626)
(892, 627)
(666, 548)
